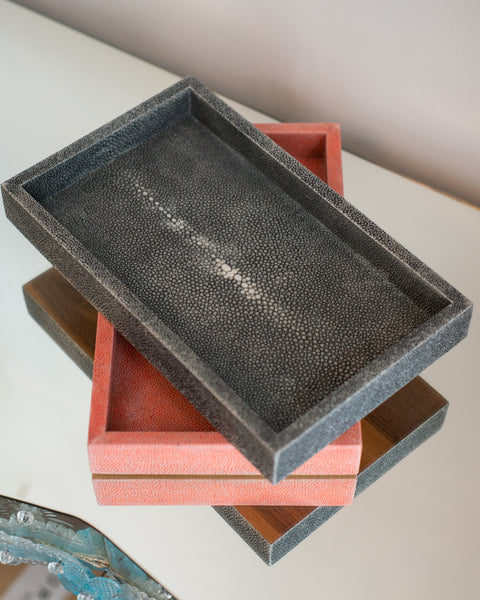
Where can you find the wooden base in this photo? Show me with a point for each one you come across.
(390, 432)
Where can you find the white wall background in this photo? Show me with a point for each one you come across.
(402, 78)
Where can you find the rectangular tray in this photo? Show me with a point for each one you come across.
(148, 445)
(389, 433)
(279, 311)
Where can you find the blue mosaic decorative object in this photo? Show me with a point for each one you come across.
(87, 564)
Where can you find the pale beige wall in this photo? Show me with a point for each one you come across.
(402, 78)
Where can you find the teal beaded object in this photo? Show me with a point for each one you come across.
(85, 561)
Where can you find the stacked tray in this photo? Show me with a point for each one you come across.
(389, 433)
(282, 314)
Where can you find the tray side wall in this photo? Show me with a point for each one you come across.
(133, 491)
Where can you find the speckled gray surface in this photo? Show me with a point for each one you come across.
(273, 552)
(278, 307)
(281, 312)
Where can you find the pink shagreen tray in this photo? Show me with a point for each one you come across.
(148, 445)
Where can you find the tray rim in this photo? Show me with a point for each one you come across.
(270, 451)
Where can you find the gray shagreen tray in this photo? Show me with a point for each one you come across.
(281, 312)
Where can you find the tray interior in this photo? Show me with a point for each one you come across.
(294, 299)
(309, 149)
(141, 399)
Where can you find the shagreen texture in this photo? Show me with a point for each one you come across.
(281, 312)
(148, 445)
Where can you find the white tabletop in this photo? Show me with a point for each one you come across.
(413, 534)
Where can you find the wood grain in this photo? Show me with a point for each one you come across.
(71, 312)
(382, 429)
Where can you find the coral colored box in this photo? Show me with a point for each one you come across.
(317, 146)
(148, 445)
